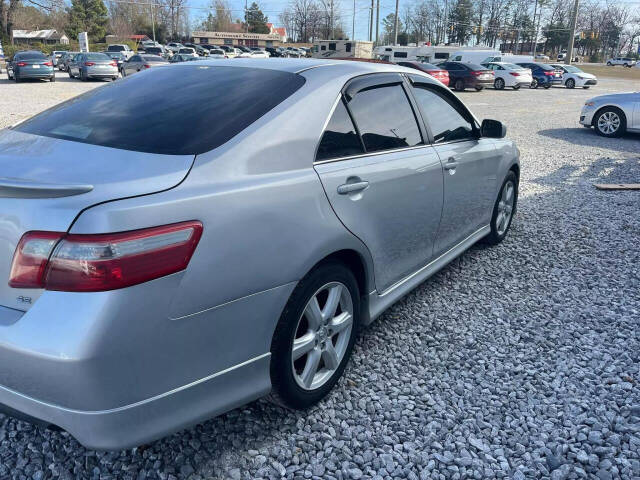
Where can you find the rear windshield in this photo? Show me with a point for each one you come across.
(143, 113)
(29, 55)
(154, 50)
(97, 56)
(115, 48)
(474, 66)
(544, 66)
(153, 58)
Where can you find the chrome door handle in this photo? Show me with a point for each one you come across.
(451, 164)
(352, 187)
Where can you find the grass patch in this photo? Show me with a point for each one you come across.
(613, 72)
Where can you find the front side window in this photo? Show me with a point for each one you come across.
(447, 122)
(340, 138)
(385, 118)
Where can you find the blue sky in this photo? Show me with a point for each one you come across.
(272, 9)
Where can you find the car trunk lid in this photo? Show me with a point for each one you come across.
(46, 182)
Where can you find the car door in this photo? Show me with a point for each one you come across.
(133, 65)
(636, 113)
(383, 180)
(74, 66)
(470, 163)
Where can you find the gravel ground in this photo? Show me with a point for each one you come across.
(519, 361)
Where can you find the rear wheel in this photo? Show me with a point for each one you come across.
(534, 83)
(503, 209)
(608, 64)
(314, 336)
(53, 79)
(571, 83)
(610, 122)
(83, 76)
(516, 87)
(479, 88)
(586, 87)
(498, 84)
(547, 86)
(459, 85)
(16, 77)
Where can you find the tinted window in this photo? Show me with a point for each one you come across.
(183, 124)
(135, 58)
(340, 138)
(348, 47)
(115, 48)
(453, 66)
(332, 46)
(400, 54)
(473, 66)
(29, 56)
(446, 122)
(385, 118)
(153, 58)
(97, 57)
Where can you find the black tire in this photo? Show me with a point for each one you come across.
(479, 88)
(459, 85)
(621, 128)
(547, 86)
(534, 84)
(586, 87)
(498, 84)
(53, 79)
(286, 390)
(495, 237)
(83, 76)
(16, 78)
(571, 83)
(608, 64)
(516, 87)
(69, 72)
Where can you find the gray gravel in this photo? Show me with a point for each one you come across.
(519, 361)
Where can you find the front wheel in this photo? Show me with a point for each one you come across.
(586, 87)
(534, 83)
(498, 84)
(571, 83)
(516, 87)
(504, 209)
(314, 336)
(610, 122)
(459, 85)
(53, 79)
(608, 64)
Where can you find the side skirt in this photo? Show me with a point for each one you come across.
(379, 302)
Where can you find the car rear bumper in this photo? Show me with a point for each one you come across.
(115, 371)
(36, 74)
(102, 72)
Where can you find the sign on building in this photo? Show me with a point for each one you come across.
(83, 40)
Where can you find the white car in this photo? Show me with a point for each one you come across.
(509, 75)
(174, 47)
(188, 51)
(573, 77)
(217, 53)
(541, 56)
(624, 61)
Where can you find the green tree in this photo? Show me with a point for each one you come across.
(388, 24)
(88, 16)
(460, 20)
(256, 19)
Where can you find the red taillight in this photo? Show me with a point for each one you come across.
(114, 64)
(549, 74)
(477, 73)
(89, 64)
(21, 64)
(146, 65)
(92, 263)
(48, 64)
(515, 74)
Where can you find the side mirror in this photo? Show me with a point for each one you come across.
(493, 129)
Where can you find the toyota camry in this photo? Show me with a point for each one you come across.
(168, 257)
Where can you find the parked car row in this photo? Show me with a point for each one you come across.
(500, 75)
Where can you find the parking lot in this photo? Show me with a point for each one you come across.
(519, 361)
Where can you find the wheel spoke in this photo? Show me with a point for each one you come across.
(330, 356)
(313, 313)
(333, 300)
(341, 322)
(311, 367)
(303, 345)
(509, 193)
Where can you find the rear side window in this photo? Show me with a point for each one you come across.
(447, 123)
(339, 138)
(143, 113)
(385, 118)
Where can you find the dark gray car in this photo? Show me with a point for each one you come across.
(65, 59)
(141, 62)
(30, 64)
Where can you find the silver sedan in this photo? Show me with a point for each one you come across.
(613, 114)
(170, 257)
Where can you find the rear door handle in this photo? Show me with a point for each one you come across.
(352, 187)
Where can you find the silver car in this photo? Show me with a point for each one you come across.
(93, 65)
(163, 266)
(613, 114)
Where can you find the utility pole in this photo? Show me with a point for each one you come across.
(574, 23)
(246, 17)
(153, 25)
(371, 22)
(353, 22)
(395, 26)
(377, 21)
(535, 38)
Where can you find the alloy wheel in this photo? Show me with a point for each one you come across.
(322, 336)
(609, 123)
(505, 207)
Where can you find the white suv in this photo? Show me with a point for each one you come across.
(624, 61)
(124, 49)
